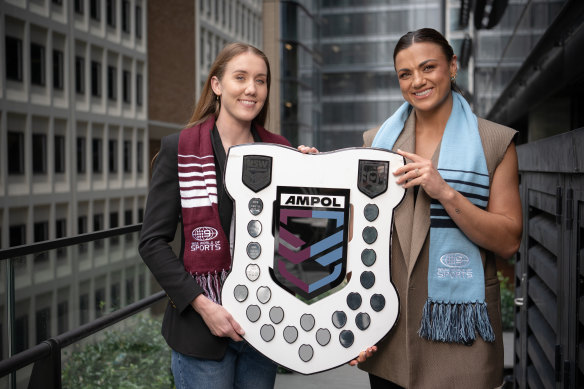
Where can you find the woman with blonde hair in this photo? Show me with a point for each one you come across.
(187, 186)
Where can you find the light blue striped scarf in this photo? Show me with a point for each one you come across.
(455, 309)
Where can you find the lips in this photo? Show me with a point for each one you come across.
(423, 93)
(248, 103)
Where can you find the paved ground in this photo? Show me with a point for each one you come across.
(351, 377)
(342, 377)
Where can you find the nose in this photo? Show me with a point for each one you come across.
(250, 88)
(419, 79)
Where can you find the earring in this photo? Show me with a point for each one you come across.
(453, 78)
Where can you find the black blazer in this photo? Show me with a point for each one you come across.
(182, 327)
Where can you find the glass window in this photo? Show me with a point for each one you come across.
(13, 51)
(57, 69)
(138, 22)
(17, 234)
(112, 85)
(127, 156)
(140, 156)
(95, 9)
(98, 223)
(39, 153)
(63, 317)
(95, 79)
(80, 75)
(43, 324)
(139, 92)
(82, 225)
(128, 217)
(81, 150)
(78, 6)
(111, 12)
(126, 86)
(59, 154)
(20, 333)
(113, 156)
(37, 64)
(15, 146)
(60, 228)
(97, 153)
(125, 16)
(83, 308)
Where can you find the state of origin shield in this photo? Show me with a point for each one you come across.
(310, 278)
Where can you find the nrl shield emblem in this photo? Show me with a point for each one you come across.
(310, 279)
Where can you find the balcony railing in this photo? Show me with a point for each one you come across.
(41, 365)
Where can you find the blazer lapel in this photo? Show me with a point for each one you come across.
(404, 212)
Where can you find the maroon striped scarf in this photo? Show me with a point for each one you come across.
(206, 252)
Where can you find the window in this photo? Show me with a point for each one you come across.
(15, 152)
(59, 154)
(94, 9)
(113, 156)
(17, 235)
(125, 16)
(58, 2)
(62, 317)
(126, 86)
(57, 69)
(96, 149)
(128, 217)
(39, 153)
(138, 22)
(98, 224)
(83, 308)
(99, 302)
(139, 90)
(13, 58)
(78, 7)
(37, 64)
(111, 83)
(60, 228)
(127, 156)
(80, 75)
(111, 12)
(82, 225)
(114, 222)
(81, 154)
(116, 297)
(41, 234)
(140, 215)
(95, 79)
(20, 333)
(140, 156)
(43, 324)
(129, 291)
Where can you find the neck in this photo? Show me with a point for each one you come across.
(233, 132)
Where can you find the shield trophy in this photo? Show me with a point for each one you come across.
(310, 279)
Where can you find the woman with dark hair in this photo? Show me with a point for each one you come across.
(461, 211)
(187, 186)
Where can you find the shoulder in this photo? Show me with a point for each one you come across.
(495, 138)
(270, 137)
(492, 129)
(369, 135)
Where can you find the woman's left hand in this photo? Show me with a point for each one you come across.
(307, 149)
(421, 172)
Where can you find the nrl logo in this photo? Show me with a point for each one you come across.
(311, 235)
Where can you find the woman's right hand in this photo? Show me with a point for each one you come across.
(219, 321)
(363, 356)
(307, 149)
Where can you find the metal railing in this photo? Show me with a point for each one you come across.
(46, 356)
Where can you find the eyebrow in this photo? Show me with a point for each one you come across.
(421, 64)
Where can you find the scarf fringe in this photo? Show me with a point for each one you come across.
(212, 283)
(455, 322)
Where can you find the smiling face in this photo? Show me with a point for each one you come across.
(424, 75)
(242, 89)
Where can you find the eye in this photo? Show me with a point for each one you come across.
(239, 77)
(429, 68)
(261, 82)
(404, 75)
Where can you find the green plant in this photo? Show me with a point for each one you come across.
(135, 356)
(507, 303)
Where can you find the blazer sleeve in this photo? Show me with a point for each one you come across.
(163, 211)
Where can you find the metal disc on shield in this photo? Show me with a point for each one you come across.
(368, 257)
(253, 250)
(367, 279)
(307, 322)
(339, 319)
(276, 315)
(255, 206)
(346, 338)
(323, 336)
(290, 334)
(371, 212)
(362, 321)
(369, 234)
(264, 294)
(252, 272)
(254, 228)
(377, 302)
(354, 300)
(253, 313)
(305, 352)
(267, 332)
(240, 293)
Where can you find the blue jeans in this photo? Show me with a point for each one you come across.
(242, 367)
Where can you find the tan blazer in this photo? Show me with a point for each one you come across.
(403, 357)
